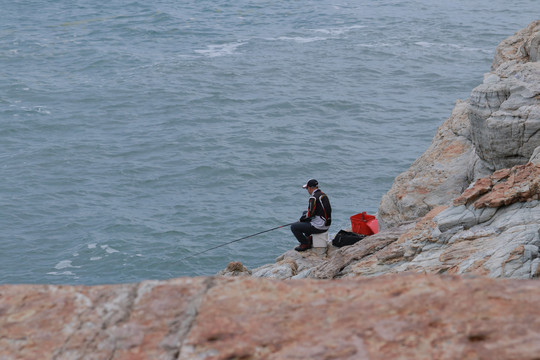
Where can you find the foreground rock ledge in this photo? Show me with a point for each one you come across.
(405, 316)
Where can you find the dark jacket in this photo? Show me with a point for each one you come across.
(319, 210)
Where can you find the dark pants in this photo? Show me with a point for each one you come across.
(302, 231)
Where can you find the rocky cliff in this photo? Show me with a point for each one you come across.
(470, 203)
(427, 286)
(497, 127)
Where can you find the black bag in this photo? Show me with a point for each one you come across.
(344, 238)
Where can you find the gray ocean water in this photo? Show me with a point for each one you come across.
(133, 134)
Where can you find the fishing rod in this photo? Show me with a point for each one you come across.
(230, 242)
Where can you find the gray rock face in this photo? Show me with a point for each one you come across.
(535, 158)
(505, 115)
(437, 177)
(292, 264)
(505, 109)
(501, 242)
(497, 127)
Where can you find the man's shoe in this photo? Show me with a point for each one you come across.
(302, 247)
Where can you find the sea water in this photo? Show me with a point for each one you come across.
(134, 134)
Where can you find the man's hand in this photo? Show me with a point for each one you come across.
(304, 217)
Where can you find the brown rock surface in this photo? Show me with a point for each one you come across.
(522, 47)
(407, 316)
(138, 321)
(504, 187)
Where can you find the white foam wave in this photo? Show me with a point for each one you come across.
(302, 40)
(377, 45)
(339, 30)
(60, 273)
(109, 249)
(64, 264)
(220, 50)
(452, 46)
(424, 44)
(38, 109)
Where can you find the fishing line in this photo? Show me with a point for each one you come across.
(230, 242)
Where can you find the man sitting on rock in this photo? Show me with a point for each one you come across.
(315, 220)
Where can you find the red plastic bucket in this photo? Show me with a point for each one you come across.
(364, 224)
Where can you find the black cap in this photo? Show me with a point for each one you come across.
(311, 183)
